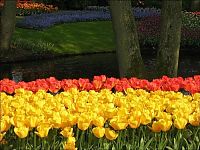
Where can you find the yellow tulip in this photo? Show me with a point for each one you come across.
(70, 144)
(145, 118)
(163, 115)
(98, 121)
(56, 118)
(98, 132)
(166, 125)
(43, 130)
(110, 134)
(21, 132)
(118, 124)
(180, 123)
(134, 120)
(194, 119)
(156, 126)
(31, 121)
(67, 132)
(71, 119)
(4, 124)
(2, 135)
(83, 125)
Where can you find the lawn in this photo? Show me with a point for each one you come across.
(76, 38)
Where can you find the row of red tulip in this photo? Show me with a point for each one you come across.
(190, 84)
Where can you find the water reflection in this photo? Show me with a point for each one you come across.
(85, 66)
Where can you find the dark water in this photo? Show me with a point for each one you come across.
(86, 66)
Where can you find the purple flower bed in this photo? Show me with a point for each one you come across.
(46, 20)
(149, 32)
(145, 12)
(42, 21)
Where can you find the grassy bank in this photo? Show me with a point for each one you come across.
(73, 38)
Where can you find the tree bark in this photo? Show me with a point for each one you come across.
(170, 38)
(7, 26)
(127, 44)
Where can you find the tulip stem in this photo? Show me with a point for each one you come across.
(81, 137)
(34, 141)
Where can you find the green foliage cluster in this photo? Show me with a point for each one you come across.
(37, 47)
(130, 139)
(191, 20)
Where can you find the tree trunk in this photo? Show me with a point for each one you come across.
(127, 44)
(170, 37)
(195, 5)
(7, 26)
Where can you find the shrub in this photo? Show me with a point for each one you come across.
(39, 47)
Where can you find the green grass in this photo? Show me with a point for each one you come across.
(74, 38)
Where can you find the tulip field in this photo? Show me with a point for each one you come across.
(105, 113)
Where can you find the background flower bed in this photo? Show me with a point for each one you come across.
(149, 30)
(148, 25)
(48, 20)
(30, 8)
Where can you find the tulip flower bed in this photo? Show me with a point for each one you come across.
(148, 29)
(196, 13)
(106, 113)
(26, 9)
(190, 84)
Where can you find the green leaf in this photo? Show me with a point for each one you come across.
(141, 144)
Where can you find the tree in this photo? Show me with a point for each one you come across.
(7, 25)
(170, 37)
(127, 43)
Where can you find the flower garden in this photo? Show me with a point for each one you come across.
(105, 113)
(148, 22)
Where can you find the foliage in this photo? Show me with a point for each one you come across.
(191, 20)
(39, 47)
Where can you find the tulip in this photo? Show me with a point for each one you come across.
(194, 119)
(145, 118)
(2, 135)
(110, 134)
(43, 130)
(83, 123)
(118, 124)
(98, 121)
(31, 121)
(21, 132)
(134, 122)
(98, 132)
(67, 132)
(70, 144)
(180, 123)
(156, 126)
(4, 124)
